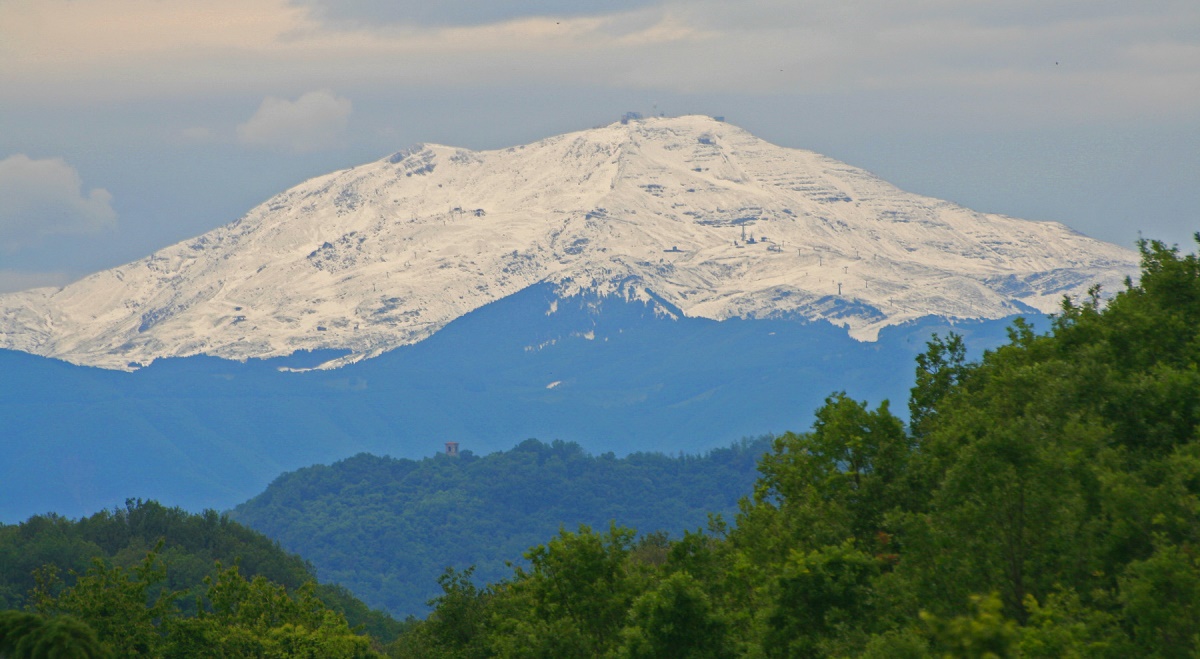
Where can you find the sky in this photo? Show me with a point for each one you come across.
(129, 125)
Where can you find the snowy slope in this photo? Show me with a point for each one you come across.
(695, 214)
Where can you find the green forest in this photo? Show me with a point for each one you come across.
(386, 528)
(1043, 501)
(150, 581)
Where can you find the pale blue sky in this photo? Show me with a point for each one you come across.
(127, 125)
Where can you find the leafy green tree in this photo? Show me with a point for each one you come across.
(983, 633)
(118, 604)
(32, 636)
(573, 599)
(676, 619)
(1007, 515)
(134, 616)
(903, 643)
(258, 618)
(15, 626)
(1064, 627)
(1161, 595)
(38, 541)
(822, 595)
(939, 370)
(457, 626)
(825, 486)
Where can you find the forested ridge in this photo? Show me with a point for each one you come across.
(150, 581)
(386, 528)
(1041, 502)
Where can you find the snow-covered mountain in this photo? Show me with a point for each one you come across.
(691, 214)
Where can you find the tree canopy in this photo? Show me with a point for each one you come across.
(386, 528)
(150, 581)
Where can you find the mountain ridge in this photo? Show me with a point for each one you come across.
(205, 432)
(690, 214)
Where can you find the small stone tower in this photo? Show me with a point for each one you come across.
(452, 449)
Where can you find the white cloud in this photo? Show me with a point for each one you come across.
(313, 122)
(43, 198)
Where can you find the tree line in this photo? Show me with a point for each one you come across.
(146, 580)
(385, 527)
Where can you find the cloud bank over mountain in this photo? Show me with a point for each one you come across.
(315, 121)
(44, 198)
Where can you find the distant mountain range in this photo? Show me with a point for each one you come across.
(653, 285)
(693, 215)
(612, 375)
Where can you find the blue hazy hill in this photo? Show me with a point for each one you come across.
(204, 432)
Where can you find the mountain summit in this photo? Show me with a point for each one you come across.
(692, 215)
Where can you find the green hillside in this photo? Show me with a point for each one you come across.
(386, 528)
(155, 581)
